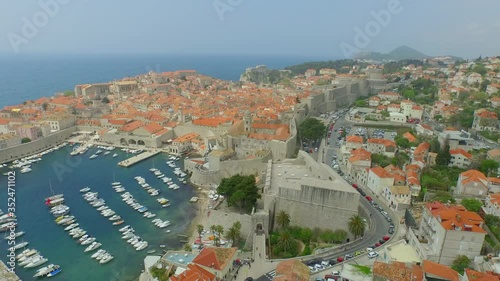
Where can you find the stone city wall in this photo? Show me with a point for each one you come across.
(19, 151)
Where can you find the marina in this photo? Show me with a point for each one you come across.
(53, 239)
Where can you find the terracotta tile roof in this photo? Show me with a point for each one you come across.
(456, 216)
(385, 142)
(134, 125)
(495, 181)
(380, 172)
(186, 137)
(292, 270)
(153, 127)
(216, 258)
(360, 154)
(472, 176)
(409, 137)
(473, 275)
(462, 152)
(486, 114)
(355, 139)
(194, 272)
(395, 271)
(439, 270)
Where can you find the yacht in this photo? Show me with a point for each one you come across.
(115, 218)
(71, 226)
(25, 170)
(15, 235)
(125, 228)
(88, 241)
(106, 259)
(27, 254)
(118, 222)
(44, 270)
(114, 155)
(54, 272)
(98, 253)
(115, 183)
(86, 189)
(36, 262)
(141, 246)
(19, 246)
(92, 247)
(29, 260)
(106, 153)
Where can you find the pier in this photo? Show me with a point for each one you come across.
(6, 274)
(137, 158)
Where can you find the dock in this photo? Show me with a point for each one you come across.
(137, 158)
(6, 274)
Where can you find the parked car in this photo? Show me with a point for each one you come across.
(349, 256)
(333, 262)
(372, 255)
(368, 198)
(391, 230)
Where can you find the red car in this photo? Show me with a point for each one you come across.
(340, 259)
(368, 198)
(377, 244)
(355, 185)
(386, 238)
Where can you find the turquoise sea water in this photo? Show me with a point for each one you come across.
(68, 174)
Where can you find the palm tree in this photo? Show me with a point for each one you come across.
(200, 229)
(233, 234)
(283, 219)
(285, 241)
(356, 226)
(219, 229)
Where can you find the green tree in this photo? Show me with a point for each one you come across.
(199, 229)
(380, 160)
(44, 106)
(187, 247)
(234, 233)
(460, 264)
(240, 191)
(286, 243)
(340, 236)
(356, 226)
(306, 235)
(25, 140)
(361, 103)
(402, 142)
(488, 166)
(472, 204)
(105, 100)
(283, 219)
(327, 236)
(443, 157)
(312, 129)
(443, 197)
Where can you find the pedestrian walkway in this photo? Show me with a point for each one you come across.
(260, 265)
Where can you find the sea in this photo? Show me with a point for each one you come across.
(33, 76)
(30, 77)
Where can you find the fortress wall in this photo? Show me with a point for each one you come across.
(19, 151)
(317, 207)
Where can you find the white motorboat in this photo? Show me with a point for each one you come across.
(85, 189)
(88, 241)
(71, 226)
(141, 246)
(92, 247)
(93, 156)
(19, 246)
(44, 270)
(125, 228)
(106, 259)
(80, 234)
(114, 155)
(28, 254)
(106, 153)
(115, 218)
(115, 183)
(98, 253)
(25, 170)
(29, 260)
(36, 262)
(128, 235)
(102, 208)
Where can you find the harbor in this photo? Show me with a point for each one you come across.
(137, 158)
(55, 241)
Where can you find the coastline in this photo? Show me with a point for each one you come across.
(201, 214)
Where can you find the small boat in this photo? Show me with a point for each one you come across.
(85, 189)
(106, 153)
(115, 218)
(54, 272)
(98, 253)
(93, 156)
(141, 246)
(19, 246)
(114, 155)
(151, 251)
(88, 241)
(118, 222)
(14, 236)
(44, 270)
(125, 228)
(92, 247)
(36, 262)
(71, 226)
(106, 259)
(115, 183)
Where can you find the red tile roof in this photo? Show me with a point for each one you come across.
(443, 271)
(380, 172)
(216, 258)
(194, 272)
(462, 152)
(456, 217)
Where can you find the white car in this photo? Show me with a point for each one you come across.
(372, 255)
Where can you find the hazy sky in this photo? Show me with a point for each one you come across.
(288, 27)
